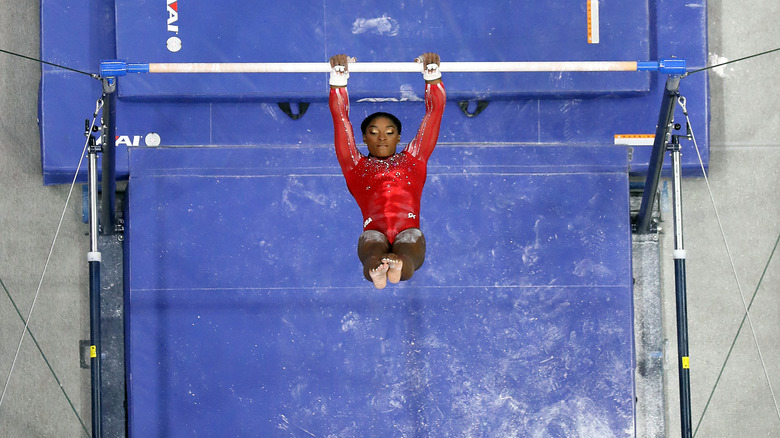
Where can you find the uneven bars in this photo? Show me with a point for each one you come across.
(113, 68)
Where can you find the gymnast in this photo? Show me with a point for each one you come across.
(387, 185)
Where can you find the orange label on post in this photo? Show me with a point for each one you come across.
(593, 21)
(635, 139)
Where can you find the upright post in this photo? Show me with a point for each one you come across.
(94, 259)
(643, 224)
(680, 293)
(108, 182)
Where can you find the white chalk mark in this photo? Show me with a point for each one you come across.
(383, 25)
(715, 59)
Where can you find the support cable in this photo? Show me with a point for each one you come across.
(50, 63)
(45, 359)
(739, 330)
(48, 258)
(732, 61)
(736, 277)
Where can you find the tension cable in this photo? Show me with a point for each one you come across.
(732, 61)
(681, 102)
(739, 330)
(92, 75)
(26, 328)
(45, 359)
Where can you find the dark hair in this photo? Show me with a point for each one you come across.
(367, 121)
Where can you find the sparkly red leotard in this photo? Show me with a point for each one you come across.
(387, 190)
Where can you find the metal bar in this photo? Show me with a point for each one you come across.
(95, 369)
(108, 181)
(677, 195)
(392, 67)
(662, 129)
(113, 68)
(94, 259)
(683, 358)
(93, 198)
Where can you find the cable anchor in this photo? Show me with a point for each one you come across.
(92, 143)
(688, 132)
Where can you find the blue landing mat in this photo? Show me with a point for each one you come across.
(247, 313)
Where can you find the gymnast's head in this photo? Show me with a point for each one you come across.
(381, 133)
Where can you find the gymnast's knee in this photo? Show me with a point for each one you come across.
(372, 243)
(409, 235)
(372, 236)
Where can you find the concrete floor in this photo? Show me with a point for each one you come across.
(29, 213)
(745, 161)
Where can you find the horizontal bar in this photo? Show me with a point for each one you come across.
(113, 68)
(393, 67)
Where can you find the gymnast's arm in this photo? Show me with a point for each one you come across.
(338, 100)
(435, 99)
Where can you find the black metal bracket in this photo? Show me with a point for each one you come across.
(92, 140)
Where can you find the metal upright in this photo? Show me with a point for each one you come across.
(683, 359)
(102, 219)
(644, 223)
(108, 182)
(94, 258)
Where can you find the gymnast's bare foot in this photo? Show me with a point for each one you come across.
(379, 275)
(395, 264)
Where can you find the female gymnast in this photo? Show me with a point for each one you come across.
(387, 185)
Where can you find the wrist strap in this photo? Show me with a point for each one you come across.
(339, 76)
(431, 72)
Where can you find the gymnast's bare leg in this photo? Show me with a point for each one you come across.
(406, 256)
(383, 262)
(372, 246)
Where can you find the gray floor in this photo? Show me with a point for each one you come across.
(29, 213)
(745, 142)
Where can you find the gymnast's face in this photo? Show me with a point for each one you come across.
(381, 137)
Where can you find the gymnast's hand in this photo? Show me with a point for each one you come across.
(340, 70)
(340, 60)
(430, 62)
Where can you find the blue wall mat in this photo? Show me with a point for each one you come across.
(76, 34)
(675, 29)
(66, 100)
(311, 31)
(248, 314)
(546, 121)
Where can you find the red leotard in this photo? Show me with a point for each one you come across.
(387, 190)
